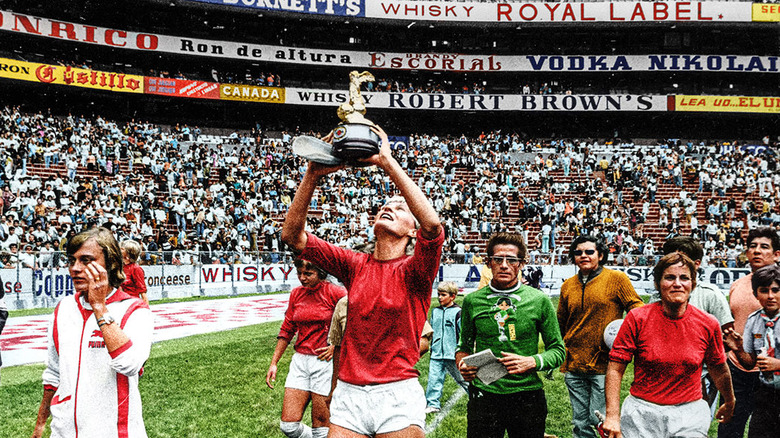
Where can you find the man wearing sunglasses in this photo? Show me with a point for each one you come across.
(507, 317)
(589, 301)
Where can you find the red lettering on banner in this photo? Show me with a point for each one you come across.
(377, 60)
(692, 102)
(141, 41)
(568, 12)
(638, 12)
(612, 13)
(582, 14)
(766, 9)
(110, 37)
(535, 11)
(90, 37)
(552, 9)
(503, 10)
(701, 17)
(680, 10)
(28, 27)
(58, 27)
(267, 271)
(660, 11)
(45, 74)
(286, 273)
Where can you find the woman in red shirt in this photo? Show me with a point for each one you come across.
(308, 315)
(135, 282)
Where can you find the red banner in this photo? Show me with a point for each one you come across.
(181, 88)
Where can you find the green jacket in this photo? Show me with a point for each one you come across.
(514, 327)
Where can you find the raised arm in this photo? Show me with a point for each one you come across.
(294, 226)
(422, 210)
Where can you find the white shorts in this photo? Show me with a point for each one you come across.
(641, 419)
(375, 409)
(308, 373)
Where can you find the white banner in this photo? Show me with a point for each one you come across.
(116, 38)
(25, 288)
(484, 102)
(566, 12)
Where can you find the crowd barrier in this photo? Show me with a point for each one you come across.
(169, 277)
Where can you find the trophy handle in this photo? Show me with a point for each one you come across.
(314, 149)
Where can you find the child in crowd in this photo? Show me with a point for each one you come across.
(445, 321)
(758, 346)
(135, 282)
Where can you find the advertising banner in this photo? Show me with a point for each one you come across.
(483, 102)
(250, 93)
(344, 8)
(115, 38)
(181, 88)
(567, 12)
(77, 77)
(766, 12)
(25, 288)
(726, 104)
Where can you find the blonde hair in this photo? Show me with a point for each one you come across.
(111, 252)
(448, 287)
(132, 248)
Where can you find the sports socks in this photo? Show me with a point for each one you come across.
(319, 432)
(296, 429)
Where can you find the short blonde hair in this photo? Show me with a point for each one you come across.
(448, 287)
(132, 248)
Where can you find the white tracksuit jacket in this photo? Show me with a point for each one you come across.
(97, 392)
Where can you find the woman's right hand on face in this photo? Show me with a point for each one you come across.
(270, 377)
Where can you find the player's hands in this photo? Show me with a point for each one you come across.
(270, 377)
(385, 155)
(725, 412)
(97, 284)
(468, 373)
(612, 427)
(319, 170)
(766, 363)
(325, 353)
(732, 339)
(516, 364)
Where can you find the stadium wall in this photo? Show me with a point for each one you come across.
(27, 288)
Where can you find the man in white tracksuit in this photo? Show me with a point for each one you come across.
(99, 341)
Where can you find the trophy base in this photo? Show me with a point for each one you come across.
(314, 149)
(354, 141)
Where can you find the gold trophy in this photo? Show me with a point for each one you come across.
(353, 138)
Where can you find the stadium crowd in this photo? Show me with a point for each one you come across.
(192, 197)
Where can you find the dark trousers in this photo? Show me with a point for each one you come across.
(522, 414)
(765, 422)
(745, 384)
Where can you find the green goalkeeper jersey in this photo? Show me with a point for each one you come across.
(511, 322)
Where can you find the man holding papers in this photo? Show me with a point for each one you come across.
(507, 317)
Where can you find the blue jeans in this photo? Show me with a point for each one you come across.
(436, 376)
(586, 392)
(745, 385)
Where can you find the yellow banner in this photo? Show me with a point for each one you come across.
(766, 12)
(77, 77)
(248, 93)
(728, 104)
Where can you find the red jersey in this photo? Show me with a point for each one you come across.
(309, 312)
(668, 353)
(135, 283)
(388, 303)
